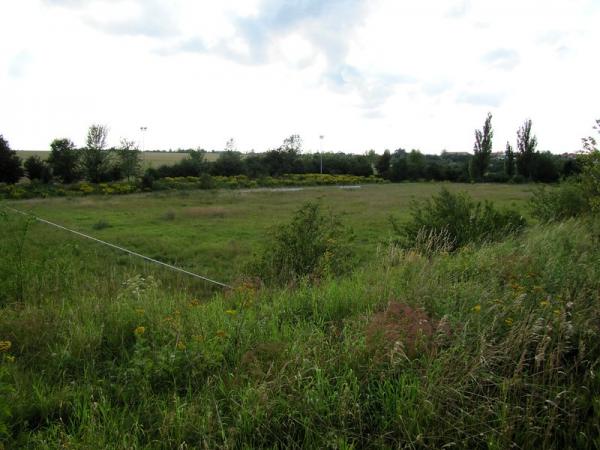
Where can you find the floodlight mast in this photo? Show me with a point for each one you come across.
(143, 130)
(321, 151)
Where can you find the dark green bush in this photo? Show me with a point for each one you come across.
(557, 203)
(448, 221)
(314, 244)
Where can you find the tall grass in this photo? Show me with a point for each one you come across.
(122, 358)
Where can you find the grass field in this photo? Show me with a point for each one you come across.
(149, 159)
(215, 233)
(494, 346)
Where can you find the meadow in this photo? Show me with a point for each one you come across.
(216, 233)
(492, 346)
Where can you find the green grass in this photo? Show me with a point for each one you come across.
(216, 233)
(512, 360)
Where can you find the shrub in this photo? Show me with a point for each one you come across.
(10, 164)
(558, 203)
(314, 244)
(448, 221)
(101, 225)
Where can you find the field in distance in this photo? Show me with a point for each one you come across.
(216, 233)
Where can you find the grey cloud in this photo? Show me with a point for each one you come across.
(327, 25)
(502, 58)
(493, 99)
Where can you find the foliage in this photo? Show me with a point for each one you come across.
(129, 159)
(449, 221)
(314, 244)
(95, 159)
(590, 178)
(482, 150)
(36, 169)
(383, 164)
(10, 164)
(229, 163)
(509, 161)
(526, 144)
(64, 160)
(559, 203)
(589, 163)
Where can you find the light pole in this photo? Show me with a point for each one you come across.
(143, 130)
(321, 152)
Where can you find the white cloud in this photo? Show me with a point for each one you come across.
(367, 74)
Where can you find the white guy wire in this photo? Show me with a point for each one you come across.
(147, 258)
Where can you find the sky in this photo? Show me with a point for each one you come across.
(364, 74)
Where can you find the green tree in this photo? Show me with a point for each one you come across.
(10, 164)
(383, 164)
(229, 163)
(36, 169)
(416, 165)
(509, 161)
(590, 170)
(482, 150)
(129, 159)
(64, 160)
(526, 144)
(96, 159)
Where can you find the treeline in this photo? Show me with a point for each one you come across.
(96, 163)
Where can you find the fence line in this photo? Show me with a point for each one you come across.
(139, 255)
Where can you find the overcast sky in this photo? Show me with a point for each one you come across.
(363, 73)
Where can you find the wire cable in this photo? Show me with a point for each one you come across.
(139, 255)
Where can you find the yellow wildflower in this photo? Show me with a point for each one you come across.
(476, 308)
(5, 346)
(508, 321)
(231, 312)
(139, 331)
(556, 311)
(10, 358)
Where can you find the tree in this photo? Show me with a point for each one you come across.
(229, 163)
(416, 165)
(286, 158)
(10, 164)
(509, 161)
(292, 144)
(64, 160)
(526, 144)
(230, 145)
(95, 159)
(545, 168)
(37, 169)
(383, 164)
(482, 149)
(129, 159)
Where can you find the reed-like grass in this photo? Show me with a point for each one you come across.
(120, 355)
